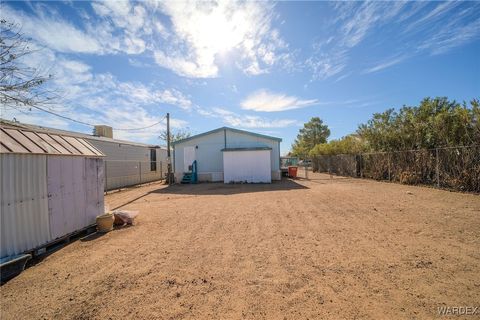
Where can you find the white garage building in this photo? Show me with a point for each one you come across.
(228, 155)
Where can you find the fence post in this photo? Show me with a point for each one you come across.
(361, 166)
(140, 170)
(330, 166)
(437, 167)
(389, 169)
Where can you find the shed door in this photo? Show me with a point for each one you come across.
(188, 157)
(252, 166)
(66, 194)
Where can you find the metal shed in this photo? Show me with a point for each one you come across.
(51, 186)
(228, 155)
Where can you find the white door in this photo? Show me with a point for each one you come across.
(188, 157)
(253, 166)
(67, 199)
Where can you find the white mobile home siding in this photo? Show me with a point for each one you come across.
(242, 140)
(208, 156)
(129, 164)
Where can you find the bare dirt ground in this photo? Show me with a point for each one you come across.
(323, 249)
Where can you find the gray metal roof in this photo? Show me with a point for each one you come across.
(48, 130)
(230, 129)
(246, 149)
(30, 142)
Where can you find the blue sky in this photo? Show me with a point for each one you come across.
(264, 67)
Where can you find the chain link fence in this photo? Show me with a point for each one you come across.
(456, 168)
(125, 173)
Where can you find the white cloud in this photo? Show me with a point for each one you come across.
(174, 97)
(192, 39)
(266, 101)
(102, 99)
(422, 28)
(184, 66)
(131, 23)
(122, 13)
(441, 9)
(452, 34)
(53, 32)
(206, 31)
(358, 20)
(325, 66)
(118, 26)
(353, 24)
(248, 121)
(386, 64)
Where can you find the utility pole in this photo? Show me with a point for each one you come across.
(169, 162)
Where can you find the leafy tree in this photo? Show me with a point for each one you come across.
(434, 123)
(351, 144)
(313, 132)
(21, 86)
(174, 135)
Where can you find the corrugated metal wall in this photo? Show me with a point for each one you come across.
(24, 203)
(46, 197)
(95, 182)
(71, 203)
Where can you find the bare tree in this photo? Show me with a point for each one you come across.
(174, 135)
(21, 86)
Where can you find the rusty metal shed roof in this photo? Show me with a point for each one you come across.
(31, 142)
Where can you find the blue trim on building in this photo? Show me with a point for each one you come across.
(246, 149)
(231, 129)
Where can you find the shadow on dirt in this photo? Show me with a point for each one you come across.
(219, 188)
(92, 236)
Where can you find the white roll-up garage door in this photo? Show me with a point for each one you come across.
(252, 166)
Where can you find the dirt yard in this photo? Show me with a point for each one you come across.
(323, 249)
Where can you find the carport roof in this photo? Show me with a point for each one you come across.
(230, 129)
(246, 149)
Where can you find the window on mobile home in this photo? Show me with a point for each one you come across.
(153, 160)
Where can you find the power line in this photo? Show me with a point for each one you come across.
(64, 117)
(135, 129)
(92, 125)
